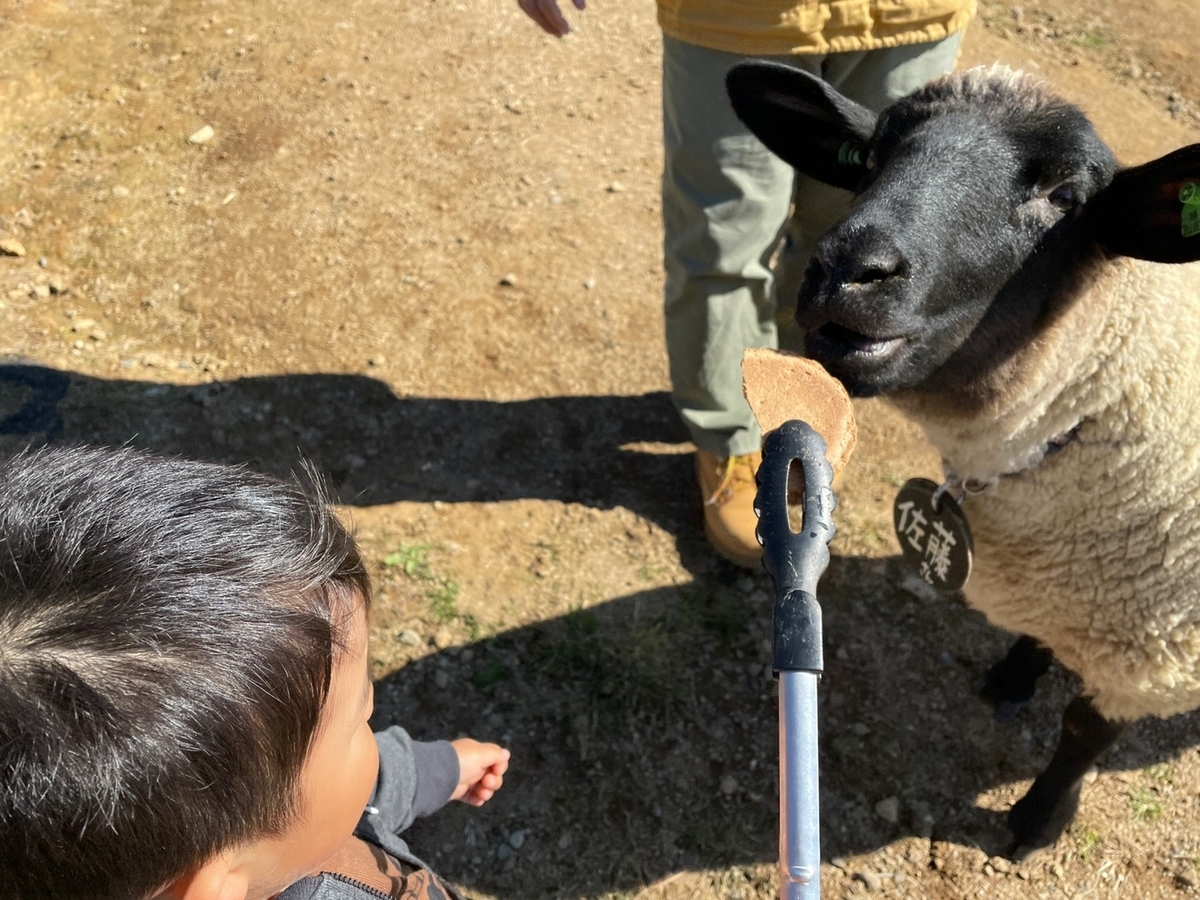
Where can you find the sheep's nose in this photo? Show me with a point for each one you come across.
(860, 263)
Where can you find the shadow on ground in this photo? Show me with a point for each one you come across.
(642, 728)
(644, 741)
(376, 447)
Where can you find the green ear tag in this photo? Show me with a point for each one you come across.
(1189, 196)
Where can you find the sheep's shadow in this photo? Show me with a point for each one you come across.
(644, 733)
(643, 727)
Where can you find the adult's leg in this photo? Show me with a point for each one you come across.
(874, 78)
(725, 199)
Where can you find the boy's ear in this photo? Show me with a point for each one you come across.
(217, 879)
(803, 121)
(1152, 211)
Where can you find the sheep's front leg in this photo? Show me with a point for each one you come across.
(1010, 683)
(1038, 818)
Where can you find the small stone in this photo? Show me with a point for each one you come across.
(615, 188)
(81, 325)
(466, 655)
(441, 678)
(873, 881)
(56, 285)
(508, 280)
(504, 851)
(565, 841)
(888, 809)
(988, 870)
(860, 729)
(98, 334)
(202, 136)
(119, 190)
(443, 639)
(41, 291)
(517, 839)
(376, 361)
(495, 720)
(589, 284)
(1091, 775)
(11, 247)
(409, 638)
(729, 785)
(43, 262)
(1000, 864)
(838, 863)
(1185, 879)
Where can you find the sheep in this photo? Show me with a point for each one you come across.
(1003, 283)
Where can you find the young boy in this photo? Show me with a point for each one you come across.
(184, 693)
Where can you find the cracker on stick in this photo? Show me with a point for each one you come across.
(780, 386)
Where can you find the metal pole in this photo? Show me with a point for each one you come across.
(795, 562)
(799, 788)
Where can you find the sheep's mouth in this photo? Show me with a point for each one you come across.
(833, 341)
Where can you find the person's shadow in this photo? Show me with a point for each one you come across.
(375, 447)
(643, 728)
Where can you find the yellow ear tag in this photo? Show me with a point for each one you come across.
(1189, 196)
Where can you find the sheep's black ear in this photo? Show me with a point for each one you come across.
(1152, 211)
(803, 121)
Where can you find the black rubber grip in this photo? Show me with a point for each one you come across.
(795, 561)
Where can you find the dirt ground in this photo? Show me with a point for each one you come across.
(421, 248)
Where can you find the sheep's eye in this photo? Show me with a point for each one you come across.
(1064, 197)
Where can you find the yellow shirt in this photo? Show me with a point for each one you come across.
(777, 27)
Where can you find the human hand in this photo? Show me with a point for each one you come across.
(548, 16)
(481, 769)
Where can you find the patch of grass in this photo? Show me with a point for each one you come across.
(1162, 773)
(619, 669)
(412, 559)
(443, 600)
(1087, 841)
(1146, 805)
(442, 592)
(648, 573)
(490, 673)
(1091, 40)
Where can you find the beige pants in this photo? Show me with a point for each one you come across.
(726, 200)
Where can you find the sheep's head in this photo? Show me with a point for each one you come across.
(972, 197)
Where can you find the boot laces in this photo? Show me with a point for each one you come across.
(737, 470)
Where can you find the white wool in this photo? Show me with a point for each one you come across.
(1095, 550)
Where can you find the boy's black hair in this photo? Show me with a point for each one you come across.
(167, 635)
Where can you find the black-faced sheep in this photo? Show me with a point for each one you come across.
(1000, 280)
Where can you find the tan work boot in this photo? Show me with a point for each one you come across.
(727, 486)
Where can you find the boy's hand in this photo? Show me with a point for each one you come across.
(481, 769)
(547, 14)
